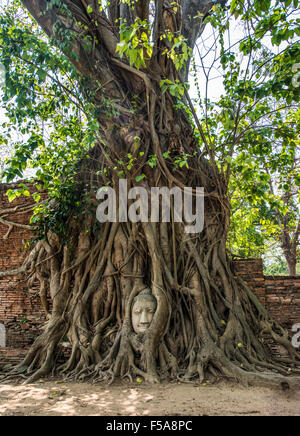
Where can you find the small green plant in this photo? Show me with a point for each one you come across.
(134, 43)
(179, 51)
(176, 89)
(23, 320)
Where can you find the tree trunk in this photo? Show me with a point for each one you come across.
(291, 263)
(289, 247)
(207, 322)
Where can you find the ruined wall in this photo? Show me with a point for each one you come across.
(21, 313)
(279, 294)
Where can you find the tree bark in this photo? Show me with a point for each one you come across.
(291, 263)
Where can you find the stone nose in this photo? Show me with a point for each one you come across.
(144, 318)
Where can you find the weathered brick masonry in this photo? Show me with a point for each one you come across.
(20, 311)
(279, 294)
(22, 314)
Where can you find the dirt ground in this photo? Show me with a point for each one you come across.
(53, 397)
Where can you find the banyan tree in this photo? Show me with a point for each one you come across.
(142, 297)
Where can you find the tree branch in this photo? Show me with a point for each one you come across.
(91, 60)
(193, 14)
(48, 20)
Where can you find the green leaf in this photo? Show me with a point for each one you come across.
(140, 177)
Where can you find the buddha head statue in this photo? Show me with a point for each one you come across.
(143, 309)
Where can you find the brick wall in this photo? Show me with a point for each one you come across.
(22, 314)
(20, 310)
(282, 296)
(279, 294)
(251, 270)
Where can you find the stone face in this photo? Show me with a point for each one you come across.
(144, 306)
(2, 336)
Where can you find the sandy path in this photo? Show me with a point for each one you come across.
(56, 398)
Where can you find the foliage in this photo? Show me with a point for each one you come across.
(265, 186)
(254, 127)
(277, 268)
(44, 104)
(134, 43)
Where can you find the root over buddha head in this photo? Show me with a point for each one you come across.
(143, 309)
